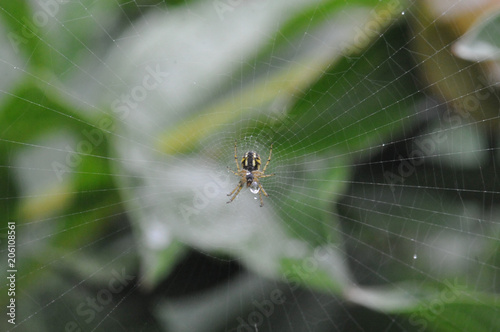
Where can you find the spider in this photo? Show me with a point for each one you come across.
(250, 173)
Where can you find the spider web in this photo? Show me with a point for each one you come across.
(119, 126)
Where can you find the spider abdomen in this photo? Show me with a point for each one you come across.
(251, 161)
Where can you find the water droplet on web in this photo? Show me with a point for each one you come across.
(255, 197)
(254, 188)
(414, 256)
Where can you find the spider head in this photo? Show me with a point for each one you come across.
(249, 179)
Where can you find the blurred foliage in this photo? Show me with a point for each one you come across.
(376, 110)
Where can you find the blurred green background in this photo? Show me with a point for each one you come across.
(118, 121)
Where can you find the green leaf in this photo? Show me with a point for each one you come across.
(357, 104)
(284, 81)
(60, 167)
(20, 37)
(450, 307)
(482, 41)
(174, 129)
(455, 308)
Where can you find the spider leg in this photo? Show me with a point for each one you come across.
(260, 196)
(262, 190)
(233, 171)
(240, 185)
(266, 176)
(268, 159)
(236, 157)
